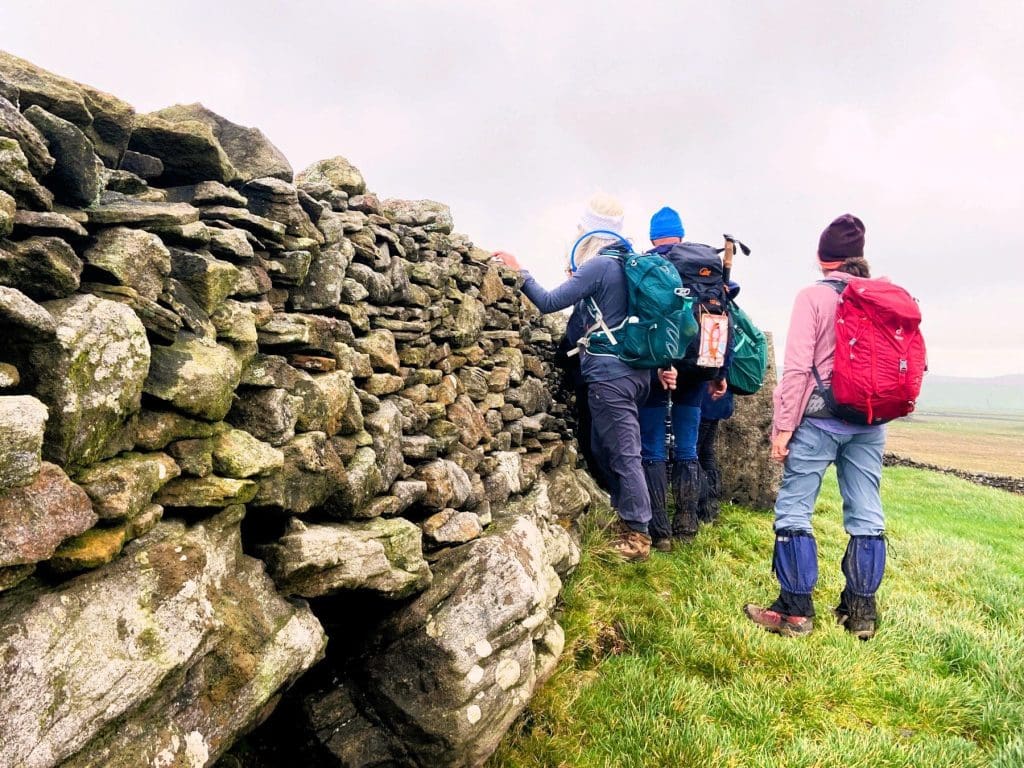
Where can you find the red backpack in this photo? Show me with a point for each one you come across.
(880, 354)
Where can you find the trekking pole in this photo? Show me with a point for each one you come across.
(730, 251)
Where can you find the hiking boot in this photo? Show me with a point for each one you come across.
(662, 545)
(779, 623)
(857, 615)
(631, 545)
(708, 510)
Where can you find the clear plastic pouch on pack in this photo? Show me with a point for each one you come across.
(714, 340)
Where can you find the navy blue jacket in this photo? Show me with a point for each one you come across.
(602, 278)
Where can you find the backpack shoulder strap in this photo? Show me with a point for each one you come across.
(836, 285)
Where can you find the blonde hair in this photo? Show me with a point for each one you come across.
(601, 205)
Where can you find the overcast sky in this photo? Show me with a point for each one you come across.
(764, 120)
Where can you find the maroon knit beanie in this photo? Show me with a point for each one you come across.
(842, 239)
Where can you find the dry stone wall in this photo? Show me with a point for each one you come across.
(235, 403)
(266, 442)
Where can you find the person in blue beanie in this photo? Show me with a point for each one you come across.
(666, 232)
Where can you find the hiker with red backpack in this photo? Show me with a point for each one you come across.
(631, 314)
(854, 360)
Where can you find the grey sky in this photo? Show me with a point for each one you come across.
(761, 119)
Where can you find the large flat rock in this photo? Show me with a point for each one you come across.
(160, 658)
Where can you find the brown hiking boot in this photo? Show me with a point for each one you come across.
(662, 545)
(631, 545)
(779, 623)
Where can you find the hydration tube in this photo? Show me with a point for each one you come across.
(585, 235)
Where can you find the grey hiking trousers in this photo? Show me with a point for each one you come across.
(614, 407)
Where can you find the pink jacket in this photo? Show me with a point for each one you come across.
(811, 340)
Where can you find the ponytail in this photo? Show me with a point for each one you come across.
(858, 267)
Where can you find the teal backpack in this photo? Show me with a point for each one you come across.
(659, 324)
(749, 354)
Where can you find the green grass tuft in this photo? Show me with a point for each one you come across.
(662, 669)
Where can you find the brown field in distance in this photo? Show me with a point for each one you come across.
(989, 444)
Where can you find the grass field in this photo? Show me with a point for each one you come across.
(974, 443)
(661, 668)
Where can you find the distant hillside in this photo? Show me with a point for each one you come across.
(956, 394)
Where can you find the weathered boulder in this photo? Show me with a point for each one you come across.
(155, 429)
(361, 483)
(131, 212)
(278, 200)
(311, 472)
(428, 214)
(142, 165)
(449, 526)
(336, 171)
(95, 547)
(36, 518)
(90, 377)
(161, 658)
(449, 674)
(470, 421)
(380, 346)
(14, 125)
(122, 487)
(8, 213)
(105, 119)
(249, 151)
(188, 149)
(28, 223)
(195, 377)
(22, 424)
(21, 318)
(322, 288)
(385, 425)
(448, 485)
(42, 267)
(209, 280)
(18, 181)
(380, 556)
(76, 177)
(748, 476)
(569, 493)
(238, 454)
(132, 257)
(209, 491)
(268, 413)
(324, 398)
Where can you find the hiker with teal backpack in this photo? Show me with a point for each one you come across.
(636, 320)
(702, 367)
(854, 360)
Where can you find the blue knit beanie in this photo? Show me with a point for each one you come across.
(666, 223)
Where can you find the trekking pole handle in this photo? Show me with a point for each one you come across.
(730, 252)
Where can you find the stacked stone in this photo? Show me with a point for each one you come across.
(198, 343)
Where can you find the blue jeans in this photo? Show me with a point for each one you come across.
(858, 460)
(685, 421)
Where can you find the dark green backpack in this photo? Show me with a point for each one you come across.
(659, 324)
(749, 354)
